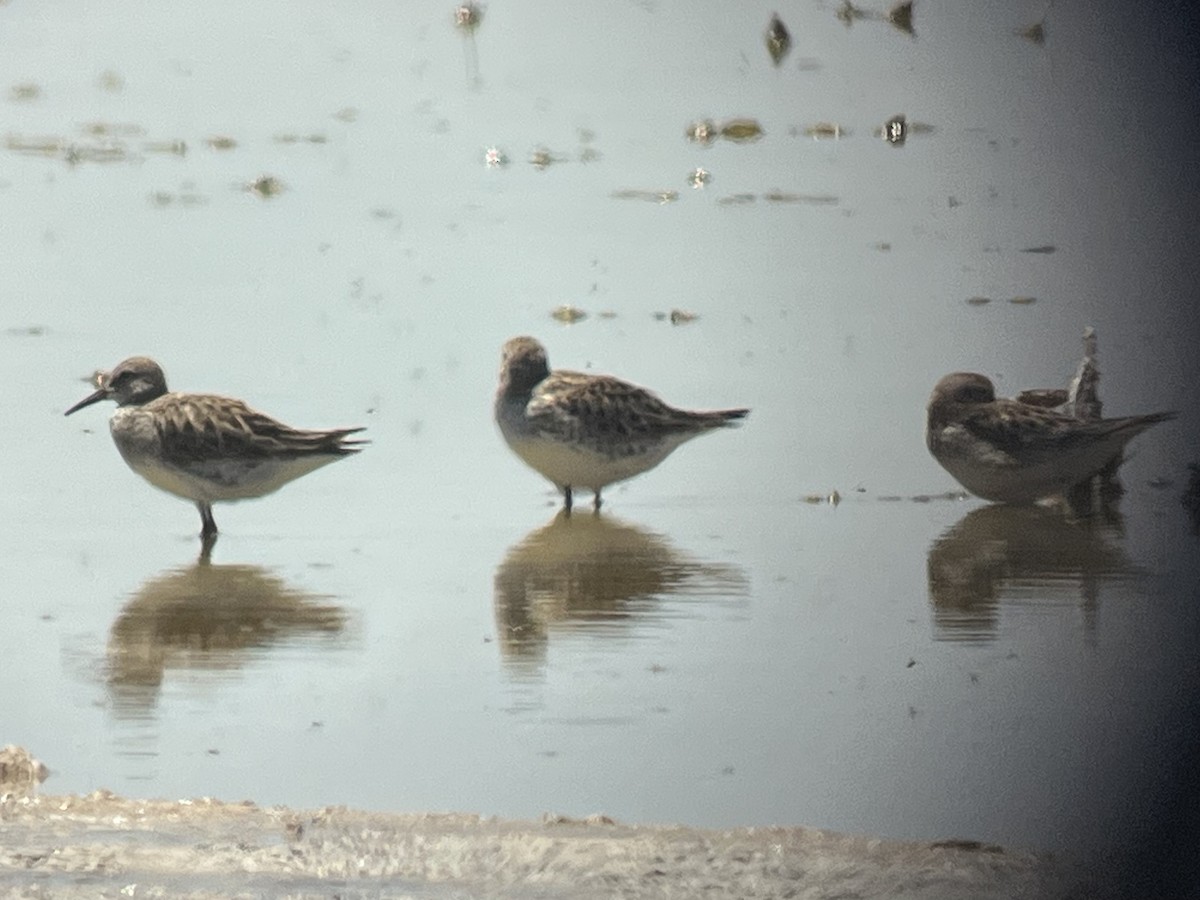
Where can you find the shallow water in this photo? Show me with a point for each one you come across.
(415, 628)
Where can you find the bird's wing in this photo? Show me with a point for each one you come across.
(199, 427)
(579, 405)
(1036, 433)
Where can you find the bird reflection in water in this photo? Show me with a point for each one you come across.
(595, 574)
(208, 618)
(1017, 554)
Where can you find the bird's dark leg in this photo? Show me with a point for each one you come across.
(567, 498)
(207, 542)
(596, 502)
(208, 525)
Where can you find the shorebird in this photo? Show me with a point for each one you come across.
(204, 447)
(1014, 452)
(588, 431)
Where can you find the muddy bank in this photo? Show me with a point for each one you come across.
(102, 845)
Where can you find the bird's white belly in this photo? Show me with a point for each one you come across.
(225, 480)
(570, 465)
(995, 476)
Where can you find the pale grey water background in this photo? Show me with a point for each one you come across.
(739, 656)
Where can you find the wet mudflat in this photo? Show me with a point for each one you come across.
(340, 216)
(102, 845)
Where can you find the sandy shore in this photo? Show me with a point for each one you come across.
(102, 845)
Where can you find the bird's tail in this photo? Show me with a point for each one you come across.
(726, 418)
(335, 441)
(1138, 424)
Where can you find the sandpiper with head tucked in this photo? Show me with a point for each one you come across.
(588, 431)
(1014, 452)
(207, 448)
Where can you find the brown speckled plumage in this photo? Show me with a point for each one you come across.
(588, 431)
(204, 447)
(200, 427)
(1015, 452)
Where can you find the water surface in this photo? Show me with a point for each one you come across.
(415, 628)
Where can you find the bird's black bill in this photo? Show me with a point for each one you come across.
(88, 401)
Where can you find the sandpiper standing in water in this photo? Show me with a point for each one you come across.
(1013, 452)
(207, 448)
(588, 431)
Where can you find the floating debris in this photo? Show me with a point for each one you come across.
(741, 131)
(898, 129)
(815, 499)
(112, 129)
(703, 131)
(929, 498)
(1035, 33)
(683, 317)
(568, 314)
(699, 177)
(170, 148)
(606, 314)
(848, 12)
(34, 146)
(346, 114)
(112, 151)
(884, 246)
(895, 130)
(494, 158)
(467, 16)
(660, 197)
(183, 198)
(825, 131)
(737, 200)
(588, 153)
(1022, 301)
(20, 773)
(900, 16)
(676, 317)
(24, 93)
(102, 149)
(26, 331)
(978, 301)
(221, 142)
(541, 158)
(315, 138)
(1044, 248)
(778, 41)
(809, 199)
(110, 81)
(265, 186)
